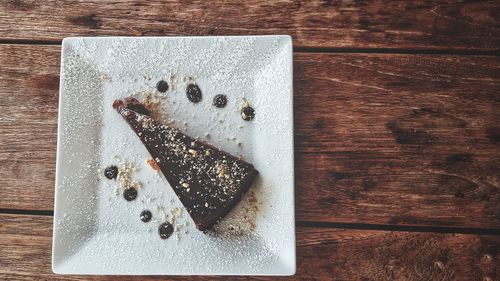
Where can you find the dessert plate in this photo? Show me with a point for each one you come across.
(97, 231)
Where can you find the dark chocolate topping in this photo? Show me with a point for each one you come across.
(209, 182)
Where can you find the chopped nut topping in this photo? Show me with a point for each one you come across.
(193, 152)
(124, 177)
(221, 171)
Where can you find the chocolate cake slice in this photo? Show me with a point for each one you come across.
(208, 181)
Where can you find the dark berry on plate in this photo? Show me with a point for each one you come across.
(146, 215)
(130, 194)
(162, 86)
(193, 93)
(247, 113)
(220, 101)
(111, 172)
(165, 230)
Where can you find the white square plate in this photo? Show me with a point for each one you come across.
(96, 231)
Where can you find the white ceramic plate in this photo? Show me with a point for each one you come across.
(96, 231)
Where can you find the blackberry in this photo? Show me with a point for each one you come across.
(193, 93)
(111, 172)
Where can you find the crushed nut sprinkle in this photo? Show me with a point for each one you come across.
(222, 174)
(193, 152)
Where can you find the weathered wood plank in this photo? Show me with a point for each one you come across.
(458, 25)
(425, 103)
(410, 139)
(322, 254)
(28, 125)
(390, 139)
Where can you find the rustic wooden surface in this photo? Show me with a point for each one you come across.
(397, 128)
(332, 254)
(428, 25)
(392, 139)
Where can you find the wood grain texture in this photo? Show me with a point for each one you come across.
(398, 139)
(427, 25)
(380, 139)
(28, 124)
(322, 253)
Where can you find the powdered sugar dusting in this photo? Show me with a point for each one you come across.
(97, 231)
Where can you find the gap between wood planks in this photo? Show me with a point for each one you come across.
(355, 226)
(319, 49)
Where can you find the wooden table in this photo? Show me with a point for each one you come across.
(397, 128)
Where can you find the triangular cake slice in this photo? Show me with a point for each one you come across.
(208, 181)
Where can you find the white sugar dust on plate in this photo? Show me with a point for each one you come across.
(234, 93)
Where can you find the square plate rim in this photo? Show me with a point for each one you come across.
(68, 40)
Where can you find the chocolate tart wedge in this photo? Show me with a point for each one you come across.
(208, 181)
